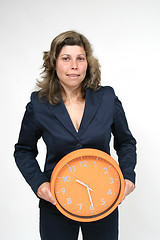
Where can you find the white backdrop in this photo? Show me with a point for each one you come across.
(125, 35)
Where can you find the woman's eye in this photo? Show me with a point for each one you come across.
(81, 59)
(66, 58)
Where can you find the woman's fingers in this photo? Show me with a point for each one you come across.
(45, 193)
(129, 187)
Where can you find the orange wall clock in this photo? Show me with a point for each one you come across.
(87, 184)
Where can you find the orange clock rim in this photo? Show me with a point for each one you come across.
(81, 153)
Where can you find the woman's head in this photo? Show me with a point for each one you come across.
(50, 86)
(71, 68)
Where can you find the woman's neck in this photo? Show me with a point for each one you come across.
(72, 95)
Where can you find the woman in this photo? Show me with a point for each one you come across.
(72, 111)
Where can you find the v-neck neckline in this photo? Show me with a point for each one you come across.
(76, 130)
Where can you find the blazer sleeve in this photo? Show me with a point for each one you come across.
(124, 142)
(26, 149)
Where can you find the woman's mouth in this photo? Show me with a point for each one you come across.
(73, 76)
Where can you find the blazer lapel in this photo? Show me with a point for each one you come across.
(62, 115)
(93, 100)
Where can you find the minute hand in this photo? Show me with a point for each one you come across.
(90, 196)
(84, 185)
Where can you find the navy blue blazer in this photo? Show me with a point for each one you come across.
(103, 116)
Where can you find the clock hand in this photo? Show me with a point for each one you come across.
(88, 189)
(84, 184)
(81, 181)
(90, 196)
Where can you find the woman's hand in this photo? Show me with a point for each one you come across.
(129, 187)
(45, 193)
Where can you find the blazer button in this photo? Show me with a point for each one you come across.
(79, 145)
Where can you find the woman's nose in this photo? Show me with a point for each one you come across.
(74, 64)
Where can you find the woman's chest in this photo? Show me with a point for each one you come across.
(75, 112)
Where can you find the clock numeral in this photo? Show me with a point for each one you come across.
(69, 201)
(63, 190)
(83, 163)
(103, 202)
(109, 192)
(111, 180)
(95, 164)
(80, 206)
(67, 179)
(106, 170)
(72, 169)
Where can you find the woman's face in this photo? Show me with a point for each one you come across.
(71, 66)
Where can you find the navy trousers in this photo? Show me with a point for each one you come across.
(55, 226)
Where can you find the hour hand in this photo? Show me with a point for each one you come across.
(84, 184)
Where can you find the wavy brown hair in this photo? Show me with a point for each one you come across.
(50, 86)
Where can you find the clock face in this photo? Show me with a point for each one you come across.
(87, 185)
